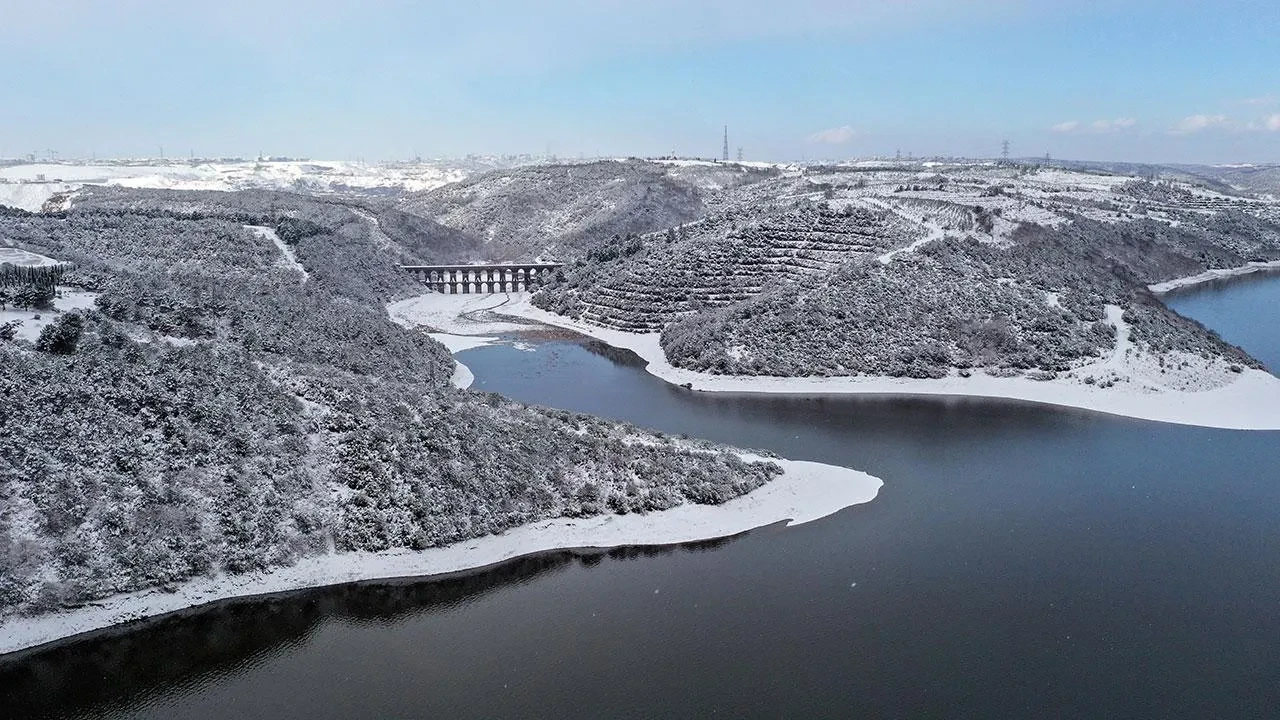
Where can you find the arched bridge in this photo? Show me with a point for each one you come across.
(456, 279)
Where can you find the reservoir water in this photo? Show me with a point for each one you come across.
(1021, 561)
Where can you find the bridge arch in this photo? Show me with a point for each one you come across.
(473, 279)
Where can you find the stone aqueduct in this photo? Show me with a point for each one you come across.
(458, 279)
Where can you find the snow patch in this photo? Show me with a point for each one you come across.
(461, 314)
(33, 321)
(15, 256)
(288, 259)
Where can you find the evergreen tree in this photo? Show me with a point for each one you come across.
(62, 335)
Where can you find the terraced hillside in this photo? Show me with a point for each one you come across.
(925, 272)
(645, 283)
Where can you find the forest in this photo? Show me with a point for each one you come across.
(215, 412)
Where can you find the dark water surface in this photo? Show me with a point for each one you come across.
(1244, 310)
(1021, 561)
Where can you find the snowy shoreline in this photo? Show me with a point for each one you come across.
(462, 376)
(1211, 275)
(1249, 400)
(806, 491)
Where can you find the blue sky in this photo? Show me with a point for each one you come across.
(1140, 80)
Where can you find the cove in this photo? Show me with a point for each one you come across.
(1020, 561)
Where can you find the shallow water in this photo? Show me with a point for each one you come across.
(1021, 561)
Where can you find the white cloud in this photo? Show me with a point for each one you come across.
(834, 136)
(1268, 99)
(1098, 127)
(1196, 123)
(1273, 123)
(1110, 126)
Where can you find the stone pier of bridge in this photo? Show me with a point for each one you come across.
(459, 279)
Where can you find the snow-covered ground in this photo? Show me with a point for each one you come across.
(451, 313)
(1210, 275)
(462, 314)
(1174, 388)
(287, 258)
(30, 186)
(806, 491)
(462, 376)
(33, 321)
(32, 197)
(16, 256)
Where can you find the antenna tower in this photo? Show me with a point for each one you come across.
(725, 154)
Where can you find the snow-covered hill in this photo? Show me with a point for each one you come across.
(32, 186)
(557, 212)
(233, 397)
(924, 270)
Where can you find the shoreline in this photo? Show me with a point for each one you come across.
(462, 377)
(1250, 402)
(806, 491)
(1211, 275)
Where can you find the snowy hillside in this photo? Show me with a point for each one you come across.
(556, 212)
(922, 271)
(217, 389)
(1263, 179)
(32, 186)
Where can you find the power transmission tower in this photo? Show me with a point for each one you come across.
(739, 153)
(725, 154)
(1004, 151)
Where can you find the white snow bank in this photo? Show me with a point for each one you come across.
(31, 196)
(417, 313)
(458, 343)
(15, 256)
(1210, 275)
(806, 491)
(462, 375)
(1249, 400)
(462, 314)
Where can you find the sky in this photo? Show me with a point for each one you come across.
(1134, 80)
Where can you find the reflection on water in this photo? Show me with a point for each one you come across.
(1021, 561)
(121, 670)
